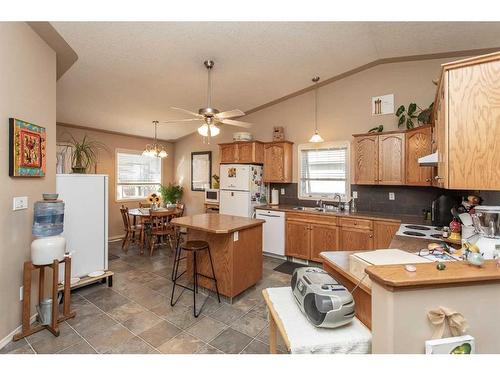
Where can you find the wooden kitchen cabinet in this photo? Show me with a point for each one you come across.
(391, 160)
(298, 238)
(242, 152)
(383, 233)
(468, 124)
(418, 143)
(352, 239)
(323, 238)
(278, 162)
(366, 160)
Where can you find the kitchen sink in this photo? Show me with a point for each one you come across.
(316, 209)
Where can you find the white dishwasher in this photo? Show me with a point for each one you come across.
(273, 231)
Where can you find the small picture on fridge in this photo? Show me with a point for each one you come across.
(231, 172)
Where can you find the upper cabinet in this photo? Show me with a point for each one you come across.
(418, 144)
(241, 152)
(468, 124)
(392, 158)
(366, 159)
(278, 162)
(391, 161)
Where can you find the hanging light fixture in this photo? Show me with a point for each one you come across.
(316, 138)
(208, 127)
(155, 149)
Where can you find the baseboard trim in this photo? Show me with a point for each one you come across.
(7, 339)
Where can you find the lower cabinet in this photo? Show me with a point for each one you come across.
(323, 238)
(298, 239)
(356, 239)
(384, 232)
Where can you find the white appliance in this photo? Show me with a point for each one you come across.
(273, 231)
(211, 195)
(425, 232)
(241, 188)
(85, 221)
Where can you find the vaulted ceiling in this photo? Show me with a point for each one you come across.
(130, 73)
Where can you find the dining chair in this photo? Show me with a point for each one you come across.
(160, 227)
(130, 229)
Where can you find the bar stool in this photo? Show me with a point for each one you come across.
(195, 247)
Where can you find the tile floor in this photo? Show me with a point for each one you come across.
(135, 316)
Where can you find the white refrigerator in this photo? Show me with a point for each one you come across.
(85, 199)
(241, 188)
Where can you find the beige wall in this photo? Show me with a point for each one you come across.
(106, 165)
(27, 91)
(344, 108)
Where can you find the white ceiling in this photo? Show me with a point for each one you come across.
(130, 73)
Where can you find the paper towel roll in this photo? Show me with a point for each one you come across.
(275, 196)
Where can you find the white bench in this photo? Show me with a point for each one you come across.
(300, 336)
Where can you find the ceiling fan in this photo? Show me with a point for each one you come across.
(211, 116)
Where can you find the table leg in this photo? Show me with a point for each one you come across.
(273, 346)
(142, 239)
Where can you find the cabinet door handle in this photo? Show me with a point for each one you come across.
(438, 178)
(371, 235)
(427, 179)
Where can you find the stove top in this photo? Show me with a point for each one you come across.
(419, 231)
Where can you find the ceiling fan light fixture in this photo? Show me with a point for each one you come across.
(203, 130)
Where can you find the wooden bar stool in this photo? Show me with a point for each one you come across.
(195, 247)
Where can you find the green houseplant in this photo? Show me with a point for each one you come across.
(171, 193)
(414, 113)
(84, 153)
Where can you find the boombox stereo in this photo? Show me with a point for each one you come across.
(325, 302)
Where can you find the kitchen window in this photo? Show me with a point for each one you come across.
(324, 171)
(137, 176)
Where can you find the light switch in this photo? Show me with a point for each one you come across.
(355, 194)
(20, 203)
(392, 196)
(282, 191)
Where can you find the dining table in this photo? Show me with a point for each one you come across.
(143, 214)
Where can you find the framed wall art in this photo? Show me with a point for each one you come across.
(201, 170)
(27, 147)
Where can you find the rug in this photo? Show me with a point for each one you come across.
(288, 267)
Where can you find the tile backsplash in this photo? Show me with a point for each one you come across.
(409, 200)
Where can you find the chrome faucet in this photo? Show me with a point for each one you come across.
(340, 200)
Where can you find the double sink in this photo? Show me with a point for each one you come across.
(318, 209)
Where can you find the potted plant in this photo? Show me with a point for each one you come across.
(84, 153)
(171, 194)
(414, 112)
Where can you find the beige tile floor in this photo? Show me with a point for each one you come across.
(135, 316)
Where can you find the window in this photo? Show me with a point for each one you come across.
(137, 176)
(324, 171)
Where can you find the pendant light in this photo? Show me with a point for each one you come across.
(155, 149)
(316, 138)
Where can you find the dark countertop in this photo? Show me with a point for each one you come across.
(407, 219)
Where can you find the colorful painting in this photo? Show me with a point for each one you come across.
(27, 149)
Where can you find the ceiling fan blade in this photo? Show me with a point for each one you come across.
(182, 120)
(186, 111)
(229, 114)
(236, 123)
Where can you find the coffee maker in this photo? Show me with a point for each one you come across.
(441, 210)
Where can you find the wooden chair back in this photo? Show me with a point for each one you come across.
(125, 218)
(159, 222)
(180, 207)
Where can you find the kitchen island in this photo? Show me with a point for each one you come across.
(236, 246)
(396, 302)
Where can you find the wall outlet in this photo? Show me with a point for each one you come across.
(19, 203)
(392, 196)
(21, 293)
(355, 194)
(282, 191)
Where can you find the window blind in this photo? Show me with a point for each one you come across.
(137, 176)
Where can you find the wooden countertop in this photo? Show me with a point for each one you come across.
(395, 277)
(408, 219)
(216, 223)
